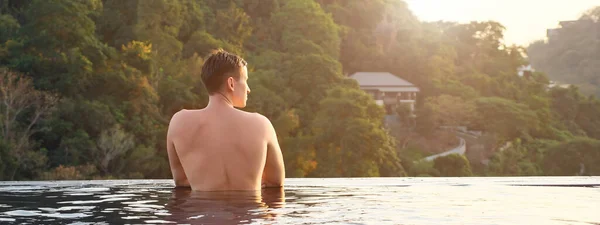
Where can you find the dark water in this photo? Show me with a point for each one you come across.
(522, 200)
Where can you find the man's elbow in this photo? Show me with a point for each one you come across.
(273, 182)
(272, 185)
(182, 183)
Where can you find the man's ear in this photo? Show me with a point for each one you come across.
(230, 83)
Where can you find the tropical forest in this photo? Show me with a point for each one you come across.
(88, 87)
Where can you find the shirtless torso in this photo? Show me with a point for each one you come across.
(222, 148)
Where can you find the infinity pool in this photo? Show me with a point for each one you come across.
(514, 200)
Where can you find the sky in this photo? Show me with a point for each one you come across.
(525, 20)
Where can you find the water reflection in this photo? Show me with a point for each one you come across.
(308, 201)
(224, 207)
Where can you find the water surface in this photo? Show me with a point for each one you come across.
(521, 200)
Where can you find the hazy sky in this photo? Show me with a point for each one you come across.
(525, 20)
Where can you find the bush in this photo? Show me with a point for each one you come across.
(579, 156)
(453, 165)
(423, 169)
(61, 172)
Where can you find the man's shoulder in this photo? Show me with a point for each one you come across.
(255, 116)
(178, 115)
(185, 112)
(183, 116)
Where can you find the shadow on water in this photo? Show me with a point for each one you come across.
(135, 204)
(223, 207)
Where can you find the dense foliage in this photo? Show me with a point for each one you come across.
(571, 54)
(88, 87)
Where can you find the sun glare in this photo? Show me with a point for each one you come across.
(525, 21)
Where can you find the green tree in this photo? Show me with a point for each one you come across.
(578, 156)
(21, 110)
(517, 160)
(505, 118)
(121, 69)
(451, 111)
(303, 27)
(567, 56)
(453, 165)
(352, 142)
(576, 113)
(423, 168)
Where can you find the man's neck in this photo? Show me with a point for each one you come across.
(219, 100)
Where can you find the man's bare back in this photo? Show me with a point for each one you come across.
(223, 148)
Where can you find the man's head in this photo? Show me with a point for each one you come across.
(227, 74)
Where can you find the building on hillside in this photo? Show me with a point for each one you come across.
(525, 70)
(387, 89)
(571, 26)
(552, 34)
(554, 84)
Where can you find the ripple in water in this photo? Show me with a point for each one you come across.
(7, 219)
(309, 201)
(36, 213)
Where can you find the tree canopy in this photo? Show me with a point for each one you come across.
(88, 87)
(570, 55)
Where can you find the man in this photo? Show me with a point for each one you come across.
(220, 147)
(223, 207)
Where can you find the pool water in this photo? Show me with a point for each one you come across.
(511, 200)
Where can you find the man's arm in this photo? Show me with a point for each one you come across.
(274, 172)
(176, 168)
